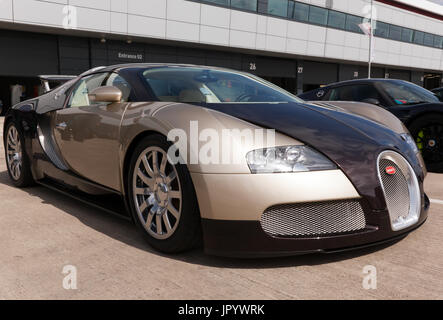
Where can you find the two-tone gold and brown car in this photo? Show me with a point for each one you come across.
(338, 176)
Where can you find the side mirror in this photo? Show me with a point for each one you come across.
(371, 101)
(106, 94)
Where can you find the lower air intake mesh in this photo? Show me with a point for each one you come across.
(314, 219)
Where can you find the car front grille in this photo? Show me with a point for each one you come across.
(396, 189)
(314, 218)
(401, 190)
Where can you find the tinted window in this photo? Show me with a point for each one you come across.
(354, 93)
(318, 15)
(403, 93)
(382, 29)
(394, 32)
(220, 2)
(428, 40)
(80, 94)
(117, 81)
(278, 7)
(250, 5)
(407, 35)
(200, 85)
(438, 42)
(353, 22)
(301, 12)
(419, 37)
(341, 94)
(366, 91)
(337, 20)
(291, 7)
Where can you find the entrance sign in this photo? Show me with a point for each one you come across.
(130, 56)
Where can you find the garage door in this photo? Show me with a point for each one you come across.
(27, 54)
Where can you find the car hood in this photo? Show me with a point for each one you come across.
(353, 142)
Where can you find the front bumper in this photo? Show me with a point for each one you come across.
(231, 215)
(246, 239)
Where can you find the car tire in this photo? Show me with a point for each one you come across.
(426, 130)
(18, 164)
(151, 200)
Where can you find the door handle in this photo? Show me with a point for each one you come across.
(61, 126)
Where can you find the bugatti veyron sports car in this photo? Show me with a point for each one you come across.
(340, 175)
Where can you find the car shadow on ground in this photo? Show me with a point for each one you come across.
(124, 231)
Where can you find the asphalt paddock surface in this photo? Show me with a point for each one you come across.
(42, 231)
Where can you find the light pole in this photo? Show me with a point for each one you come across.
(371, 39)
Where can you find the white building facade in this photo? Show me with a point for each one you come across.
(299, 45)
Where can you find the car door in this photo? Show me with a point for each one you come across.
(87, 133)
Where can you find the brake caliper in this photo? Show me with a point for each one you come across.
(420, 137)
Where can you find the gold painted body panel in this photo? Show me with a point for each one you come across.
(91, 140)
(247, 196)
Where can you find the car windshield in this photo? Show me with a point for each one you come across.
(204, 85)
(406, 93)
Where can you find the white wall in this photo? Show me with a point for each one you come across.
(189, 21)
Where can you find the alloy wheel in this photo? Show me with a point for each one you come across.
(430, 142)
(157, 193)
(14, 153)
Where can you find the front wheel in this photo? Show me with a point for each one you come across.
(162, 198)
(18, 164)
(428, 134)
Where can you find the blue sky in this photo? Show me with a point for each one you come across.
(437, 1)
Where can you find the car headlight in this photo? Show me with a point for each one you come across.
(287, 159)
(410, 141)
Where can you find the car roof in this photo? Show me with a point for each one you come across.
(118, 67)
(56, 77)
(356, 81)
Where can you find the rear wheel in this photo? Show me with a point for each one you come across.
(18, 164)
(162, 198)
(428, 134)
